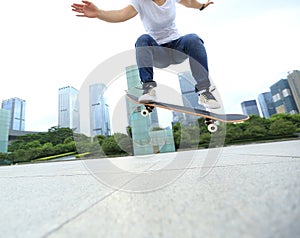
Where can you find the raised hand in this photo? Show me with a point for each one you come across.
(87, 9)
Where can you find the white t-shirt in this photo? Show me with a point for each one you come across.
(158, 21)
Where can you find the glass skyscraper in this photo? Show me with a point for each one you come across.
(16, 107)
(283, 98)
(68, 108)
(187, 86)
(4, 130)
(266, 104)
(189, 98)
(99, 111)
(145, 140)
(250, 108)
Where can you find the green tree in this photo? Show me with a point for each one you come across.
(110, 146)
(33, 144)
(282, 127)
(204, 139)
(100, 139)
(68, 140)
(177, 134)
(255, 131)
(234, 132)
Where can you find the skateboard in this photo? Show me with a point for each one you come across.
(210, 117)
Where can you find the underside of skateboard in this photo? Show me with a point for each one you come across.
(210, 123)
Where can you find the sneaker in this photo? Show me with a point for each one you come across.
(149, 93)
(207, 99)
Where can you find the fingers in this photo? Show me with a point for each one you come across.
(81, 8)
(76, 5)
(79, 11)
(78, 8)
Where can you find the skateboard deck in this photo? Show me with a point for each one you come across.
(227, 118)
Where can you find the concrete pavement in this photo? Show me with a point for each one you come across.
(248, 191)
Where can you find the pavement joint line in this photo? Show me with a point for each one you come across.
(77, 215)
(149, 170)
(264, 155)
(89, 207)
(230, 165)
(43, 176)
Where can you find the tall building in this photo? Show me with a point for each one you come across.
(134, 88)
(283, 98)
(187, 86)
(4, 130)
(250, 108)
(266, 104)
(16, 107)
(99, 111)
(68, 108)
(189, 98)
(294, 82)
(145, 140)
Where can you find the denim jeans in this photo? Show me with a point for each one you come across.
(150, 54)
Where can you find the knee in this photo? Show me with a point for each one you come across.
(193, 39)
(144, 40)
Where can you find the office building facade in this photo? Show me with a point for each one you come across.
(145, 140)
(68, 108)
(189, 98)
(294, 83)
(283, 98)
(266, 104)
(99, 111)
(16, 107)
(250, 108)
(4, 129)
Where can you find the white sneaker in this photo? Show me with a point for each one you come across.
(148, 97)
(149, 93)
(208, 100)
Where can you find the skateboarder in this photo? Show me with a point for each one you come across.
(157, 47)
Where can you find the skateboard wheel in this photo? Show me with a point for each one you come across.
(212, 128)
(144, 113)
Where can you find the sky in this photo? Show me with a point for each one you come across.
(44, 46)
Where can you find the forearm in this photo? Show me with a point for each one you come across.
(111, 16)
(88, 9)
(195, 4)
(192, 4)
(117, 15)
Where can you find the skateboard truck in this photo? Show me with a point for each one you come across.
(211, 126)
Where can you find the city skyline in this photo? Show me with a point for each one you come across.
(185, 93)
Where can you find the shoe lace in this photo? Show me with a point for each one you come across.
(208, 95)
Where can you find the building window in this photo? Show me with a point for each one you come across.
(286, 92)
(276, 97)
